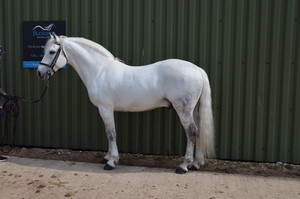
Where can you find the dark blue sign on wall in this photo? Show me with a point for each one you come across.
(35, 35)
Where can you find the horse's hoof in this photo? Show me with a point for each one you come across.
(179, 170)
(108, 167)
(104, 161)
(193, 168)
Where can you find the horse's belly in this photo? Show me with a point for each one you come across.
(141, 105)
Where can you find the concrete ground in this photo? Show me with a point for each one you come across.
(33, 178)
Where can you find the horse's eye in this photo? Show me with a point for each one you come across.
(52, 52)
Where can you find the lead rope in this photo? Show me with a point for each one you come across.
(44, 92)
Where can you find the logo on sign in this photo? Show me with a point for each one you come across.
(42, 32)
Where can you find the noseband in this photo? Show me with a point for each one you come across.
(51, 66)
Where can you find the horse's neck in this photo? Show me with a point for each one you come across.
(86, 57)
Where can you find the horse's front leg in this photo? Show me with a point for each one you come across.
(112, 156)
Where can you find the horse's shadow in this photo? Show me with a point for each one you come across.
(82, 166)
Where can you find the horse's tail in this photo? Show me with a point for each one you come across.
(207, 142)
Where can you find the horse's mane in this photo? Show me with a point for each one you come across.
(95, 46)
(85, 42)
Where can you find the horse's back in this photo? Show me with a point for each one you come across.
(173, 70)
(165, 74)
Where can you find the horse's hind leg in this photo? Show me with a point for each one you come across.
(112, 156)
(199, 157)
(191, 130)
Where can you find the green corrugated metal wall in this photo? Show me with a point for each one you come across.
(250, 50)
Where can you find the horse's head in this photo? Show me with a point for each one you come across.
(54, 58)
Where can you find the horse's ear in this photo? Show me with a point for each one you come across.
(56, 39)
(54, 36)
(51, 36)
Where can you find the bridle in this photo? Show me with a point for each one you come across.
(51, 66)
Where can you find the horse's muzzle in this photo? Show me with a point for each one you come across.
(44, 73)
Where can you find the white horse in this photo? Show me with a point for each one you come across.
(115, 86)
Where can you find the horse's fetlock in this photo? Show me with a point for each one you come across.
(189, 160)
(196, 165)
(111, 163)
